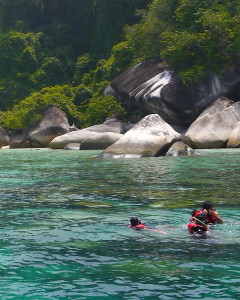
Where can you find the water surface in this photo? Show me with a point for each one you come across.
(64, 233)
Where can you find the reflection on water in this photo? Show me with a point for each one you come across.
(64, 233)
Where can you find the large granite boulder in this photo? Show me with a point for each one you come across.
(20, 141)
(153, 87)
(4, 138)
(180, 149)
(78, 136)
(88, 140)
(53, 123)
(100, 141)
(234, 137)
(72, 146)
(111, 125)
(214, 126)
(150, 137)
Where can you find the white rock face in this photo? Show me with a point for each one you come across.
(153, 86)
(147, 138)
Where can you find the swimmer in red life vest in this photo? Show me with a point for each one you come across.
(202, 218)
(136, 224)
(211, 214)
(198, 226)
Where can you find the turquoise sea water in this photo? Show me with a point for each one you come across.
(64, 233)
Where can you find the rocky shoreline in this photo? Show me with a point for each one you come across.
(217, 127)
(178, 122)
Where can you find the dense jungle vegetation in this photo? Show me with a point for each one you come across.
(65, 52)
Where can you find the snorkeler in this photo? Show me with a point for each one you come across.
(198, 226)
(212, 215)
(136, 224)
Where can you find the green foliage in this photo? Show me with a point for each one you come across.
(99, 108)
(48, 43)
(25, 66)
(83, 65)
(29, 110)
(50, 73)
(191, 35)
(82, 94)
(65, 53)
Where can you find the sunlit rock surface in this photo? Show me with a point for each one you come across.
(97, 136)
(100, 141)
(214, 126)
(150, 137)
(234, 137)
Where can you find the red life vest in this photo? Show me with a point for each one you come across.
(195, 214)
(193, 227)
(138, 227)
(210, 219)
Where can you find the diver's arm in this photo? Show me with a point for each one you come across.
(216, 216)
(157, 230)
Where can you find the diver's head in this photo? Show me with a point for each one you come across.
(207, 205)
(135, 221)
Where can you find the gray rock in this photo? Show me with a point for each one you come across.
(36, 145)
(100, 141)
(150, 137)
(20, 141)
(234, 137)
(152, 86)
(180, 149)
(73, 128)
(60, 142)
(72, 146)
(54, 123)
(110, 125)
(213, 128)
(4, 138)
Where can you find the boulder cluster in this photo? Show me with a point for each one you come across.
(179, 119)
